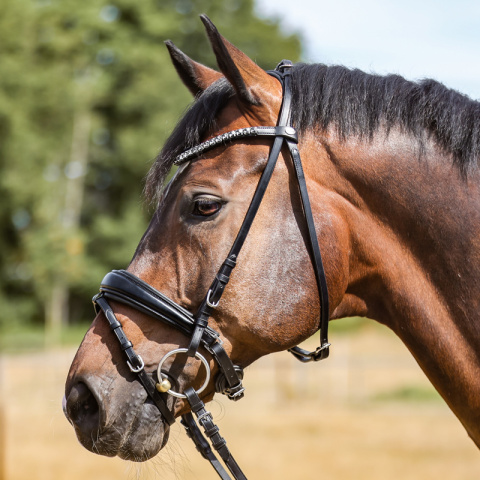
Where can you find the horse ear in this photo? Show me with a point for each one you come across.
(247, 78)
(195, 76)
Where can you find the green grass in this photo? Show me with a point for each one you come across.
(350, 325)
(23, 338)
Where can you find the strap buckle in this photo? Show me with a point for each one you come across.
(235, 393)
(211, 303)
(140, 366)
(206, 415)
(284, 67)
(305, 356)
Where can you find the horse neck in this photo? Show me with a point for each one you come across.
(412, 217)
(414, 225)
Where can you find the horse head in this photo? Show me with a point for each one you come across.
(271, 301)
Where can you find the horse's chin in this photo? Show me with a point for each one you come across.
(140, 441)
(147, 436)
(141, 446)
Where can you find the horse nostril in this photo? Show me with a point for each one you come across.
(82, 408)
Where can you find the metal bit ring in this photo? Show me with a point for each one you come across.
(160, 375)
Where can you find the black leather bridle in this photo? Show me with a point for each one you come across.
(123, 287)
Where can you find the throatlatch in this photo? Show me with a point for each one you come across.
(123, 287)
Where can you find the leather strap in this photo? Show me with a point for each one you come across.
(205, 419)
(230, 374)
(126, 288)
(201, 444)
(218, 286)
(321, 352)
(282, 72)
(134, 361)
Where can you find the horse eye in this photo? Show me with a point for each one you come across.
(206, 207)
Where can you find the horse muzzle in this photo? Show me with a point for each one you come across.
(131, 428)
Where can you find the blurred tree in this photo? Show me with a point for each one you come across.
(87, 97)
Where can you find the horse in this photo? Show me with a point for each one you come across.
(390, 168)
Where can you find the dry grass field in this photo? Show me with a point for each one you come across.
(365, 413)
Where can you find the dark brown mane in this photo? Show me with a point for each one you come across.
(355, 103)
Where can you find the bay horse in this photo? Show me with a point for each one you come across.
(391, 172)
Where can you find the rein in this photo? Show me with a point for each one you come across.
(123, 287)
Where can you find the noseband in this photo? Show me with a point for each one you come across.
(123, 287)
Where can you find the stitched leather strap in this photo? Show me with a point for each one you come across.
(205, 419)
(217, 288)
(126, 288)
(134, 361)
(282, 72)
(201, 444)
(321, 352)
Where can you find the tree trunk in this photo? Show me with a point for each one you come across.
(57, 306)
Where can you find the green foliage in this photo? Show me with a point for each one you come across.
(87, 97)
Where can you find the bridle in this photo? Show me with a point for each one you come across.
(123, 287)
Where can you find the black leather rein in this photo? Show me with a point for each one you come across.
(123, 287)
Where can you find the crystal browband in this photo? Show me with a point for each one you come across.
(287, 132)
